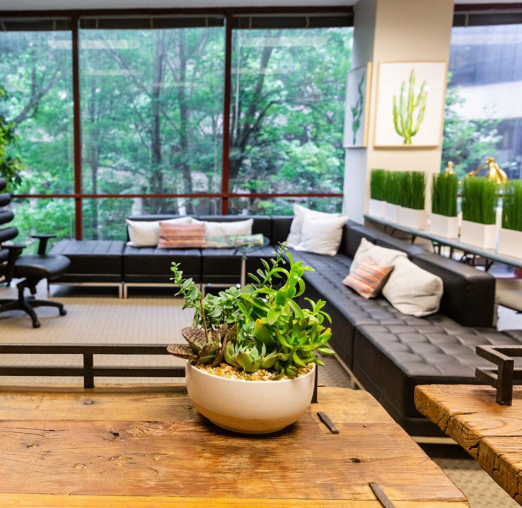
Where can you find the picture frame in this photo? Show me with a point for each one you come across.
(410, 102)
(357, 104)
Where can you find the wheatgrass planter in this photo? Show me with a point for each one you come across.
(377, 208)
(510, 243)
(249, 407)
(446, 227)
(410, 218)
(479, 235)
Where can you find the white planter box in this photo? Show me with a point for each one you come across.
(510, 243)
(377, 208)
(391, 213)
(478, 235)
(415, 219)
(447, 227)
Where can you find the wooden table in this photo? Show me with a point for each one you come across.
(491, 433)
(148, 448)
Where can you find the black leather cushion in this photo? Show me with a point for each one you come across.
(280, 228)
(469, 294)
(221, 266)
(148, 264)
(91, 260)
(41, 267)
(391, 359)
(354, 234)
(262, 225)
(388, 242)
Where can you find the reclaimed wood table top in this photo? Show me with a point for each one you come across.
(149, 448)
(491, 433)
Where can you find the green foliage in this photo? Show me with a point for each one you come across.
(444, 192)
(11, 165)
(405, 109)
(260, 326)
(358, 108)
(479, 200)
(468, 142)
(512, 206)
(394, 187)
(378, 184)
(413, 190)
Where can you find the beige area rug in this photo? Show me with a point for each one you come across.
(98, 316)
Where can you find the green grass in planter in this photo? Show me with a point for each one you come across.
(378, 184)
(512, 207)
(413, 190)
(444, 193)
(479, 200)
(394, 184)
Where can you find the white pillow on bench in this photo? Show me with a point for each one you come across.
(301, 215)
(380, 255)
(322, 235)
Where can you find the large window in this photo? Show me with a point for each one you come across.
(483, 105)
(36, 73)
(169, 113)
(286, 116)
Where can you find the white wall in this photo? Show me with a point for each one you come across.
(394, 31)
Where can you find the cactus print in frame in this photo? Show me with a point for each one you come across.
(410, 104)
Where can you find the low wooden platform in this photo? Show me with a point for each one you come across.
(491, 433)
(149, 448)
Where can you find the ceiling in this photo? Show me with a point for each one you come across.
(127, 4)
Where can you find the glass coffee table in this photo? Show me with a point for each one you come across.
(243, 244)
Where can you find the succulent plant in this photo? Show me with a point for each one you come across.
(261, 326)
(249, 357)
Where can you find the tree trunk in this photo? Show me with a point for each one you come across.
(188, 185)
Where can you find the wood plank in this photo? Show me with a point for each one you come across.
(46, 501)
(165, 405)
(184, 459)
(148, 443)
(491, 433)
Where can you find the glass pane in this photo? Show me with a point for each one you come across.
(288, 89)
(104, 218)
(152, 103)
(282, 206)
(36, 70)
(483, 107)
(44, 216)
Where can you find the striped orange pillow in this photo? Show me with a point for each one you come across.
(181, 236)
(368, 278)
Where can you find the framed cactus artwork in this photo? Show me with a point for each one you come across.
(410, 104)
(357, 103)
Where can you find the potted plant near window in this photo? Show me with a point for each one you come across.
(252, 353)
(510, 236)
(444, 217)
(394, 182)
(479, 202)
(412, 212)
(378, 193)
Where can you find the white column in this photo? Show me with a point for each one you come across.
(393, 31)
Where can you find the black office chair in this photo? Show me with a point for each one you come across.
(32, 269)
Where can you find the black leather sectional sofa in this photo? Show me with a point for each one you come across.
(388, 353)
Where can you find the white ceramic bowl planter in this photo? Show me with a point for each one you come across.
(250, 407)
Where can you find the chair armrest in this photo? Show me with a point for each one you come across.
(42, 246)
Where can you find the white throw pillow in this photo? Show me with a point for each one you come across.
(146, 233)
(301, 214)
(380, 255)
(412, 290)
(322, 235)
(216, 229)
